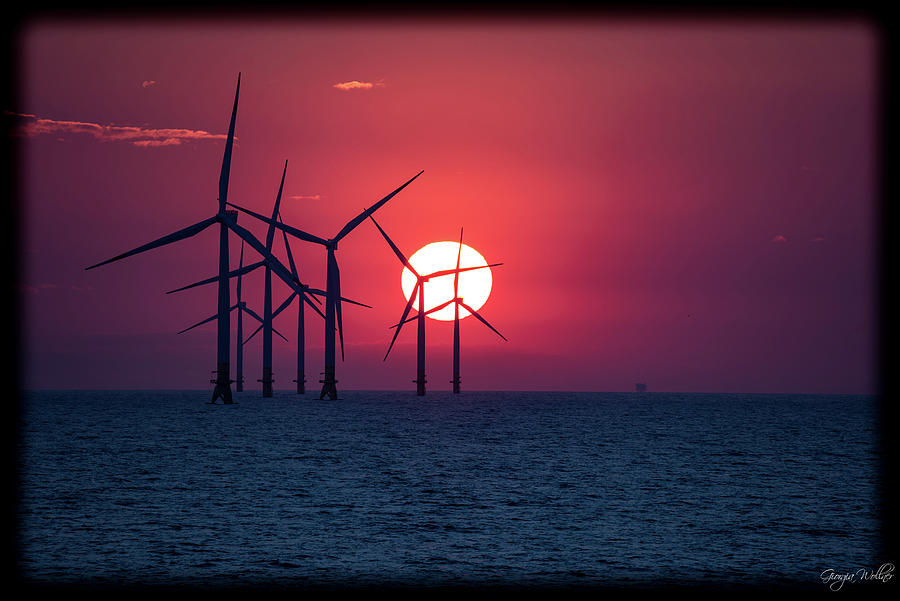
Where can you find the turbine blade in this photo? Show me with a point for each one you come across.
(279, 333)
(337, 309)
(259, 319)
(290, 255)
(315, 291)
(179, 235)
(353, 302)
(317, 310)
(284, 305)
(406, 310)
(200, 323)
(481, 319)
(432, 310)
(396, 250)
(226, 160)
(270, 234)
(282, 226)
(438, 307)
(276, 266)
(407, 320)
(456, 275)
(241, 266)
(362, 216)
(252, 335)
(287, 246)
(444, 272)
(215, 278)
(253, 314)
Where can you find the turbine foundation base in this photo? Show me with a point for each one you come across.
(301, 382)
(267, 382)
(420, 383)
(222, 384)
(329, 385)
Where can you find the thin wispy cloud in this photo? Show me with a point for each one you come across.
(818, 239)
(358, 85)
(147, 83)
(166, 142)
(779, 238)
(32, 125)
(37, 288)
(305, 197)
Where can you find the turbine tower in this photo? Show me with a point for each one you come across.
(241, 307)
(307, 294)
(301, 376)
(239, 346)
(457, 303)
(227, 221)
(333, 283)
(421, 280)
(305, 297)
(301, 331)
(267, 302)
(301, 327)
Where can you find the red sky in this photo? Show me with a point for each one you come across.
(690, 205)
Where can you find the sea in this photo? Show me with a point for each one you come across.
(479, 489)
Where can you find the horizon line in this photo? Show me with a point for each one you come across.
(405, 390)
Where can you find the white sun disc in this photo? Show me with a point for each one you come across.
(474, 286)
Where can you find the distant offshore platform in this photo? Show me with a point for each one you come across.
(640, 387)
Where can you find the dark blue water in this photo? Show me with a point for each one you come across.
(383, 488)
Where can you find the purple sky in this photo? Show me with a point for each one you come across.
(690, 205)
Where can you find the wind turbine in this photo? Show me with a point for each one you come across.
(227, 221)
(457, 302)
(239, 347)
(421, 280)
(301, 331)
(333, 282)
(267, 301)
(242, 308)
(307, 294)
(301, 341)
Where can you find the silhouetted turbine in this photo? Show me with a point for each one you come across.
(267, 301)
(457, 302)
(241, 307)
(308, 293)
(301, 331)
(227, 221)
(333, 283)
(421, 313)
(301, 328)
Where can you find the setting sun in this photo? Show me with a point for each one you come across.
(474, 286)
